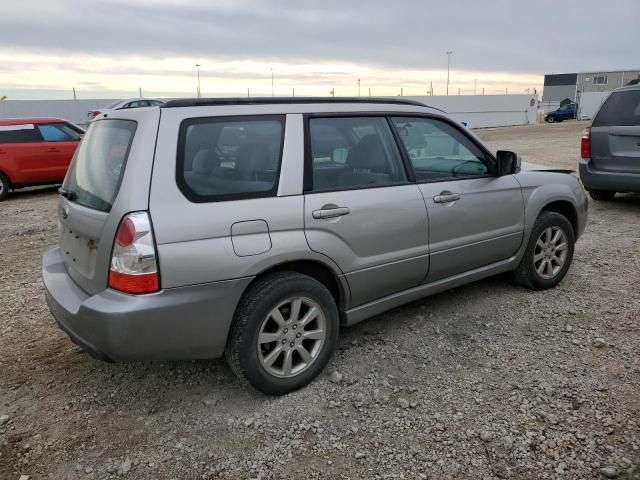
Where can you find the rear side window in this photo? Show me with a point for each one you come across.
(26, 133)
(98, 164)
(226, 158)
(620, 109)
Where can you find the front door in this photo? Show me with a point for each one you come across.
(360, 209)
(475, 217)
(59, 144)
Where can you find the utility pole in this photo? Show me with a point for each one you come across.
(358, 87)
(332, 92)
(431, 87)
(198, 72)
(483, 91)
(449, 52)
(248, 96)
(140, 92)
(369, 91)
(293, 92)
(401, 91)
(74, 93)
(272, 91)
(458, 91)
(475, 85)
(506, 91)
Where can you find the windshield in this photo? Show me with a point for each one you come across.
(98, 164)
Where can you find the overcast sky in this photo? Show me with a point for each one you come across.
(110, 48)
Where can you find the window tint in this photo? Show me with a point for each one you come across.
(155, 103)
(354, 153)
(620, 109)
(98, 164)
(58, 132)
(19, 134)
(224, 158)
(439, 151)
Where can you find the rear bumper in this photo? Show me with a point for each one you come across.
(604, 180)
(173, 324)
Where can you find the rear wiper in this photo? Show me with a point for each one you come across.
(68, 194)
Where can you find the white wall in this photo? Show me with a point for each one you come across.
(73, 110)
(477, 111)
(480, 111)
(589, 104)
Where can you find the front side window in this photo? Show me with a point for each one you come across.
(25, 133)
(224, 158)
(353, 152)
(58, 132)
(439, 151)
(98, 164)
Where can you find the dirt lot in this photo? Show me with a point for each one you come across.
(485, 381)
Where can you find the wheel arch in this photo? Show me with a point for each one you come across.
(318, 270)
(567, 210)
(7, 176)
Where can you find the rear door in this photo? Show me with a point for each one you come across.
(360, 208)
(615, 133)
(475, 217)
(20, 151)
(59, 142)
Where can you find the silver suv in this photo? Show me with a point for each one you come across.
(257, 228)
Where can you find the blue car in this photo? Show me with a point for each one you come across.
(566, 112)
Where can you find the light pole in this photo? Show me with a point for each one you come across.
(198, 73)
(449, 52)
(358, 87)
(272, 82)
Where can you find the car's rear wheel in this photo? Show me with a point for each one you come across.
(4, 186)
(549, 253)
(602, 195)
(284, 332)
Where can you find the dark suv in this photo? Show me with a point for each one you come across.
(610, 147)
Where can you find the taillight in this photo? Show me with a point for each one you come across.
(134, 263)
(94, 113)
(585, 144)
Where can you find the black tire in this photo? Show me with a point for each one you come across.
(258, 301)
(551, 120)
(525, 274)
(4, 186)
(601, 195)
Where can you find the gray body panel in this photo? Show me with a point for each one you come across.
(484, 226)
(385, 235)
(394, 245)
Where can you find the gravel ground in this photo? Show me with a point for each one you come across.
(485, 381)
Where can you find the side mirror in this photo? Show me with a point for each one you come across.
(508, 162)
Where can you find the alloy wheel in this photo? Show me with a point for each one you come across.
(291, 337)
(550, 253)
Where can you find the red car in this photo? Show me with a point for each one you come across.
(35, 151)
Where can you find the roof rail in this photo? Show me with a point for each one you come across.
(208, 102)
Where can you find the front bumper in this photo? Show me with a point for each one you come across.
(595, 179)
(173, 324)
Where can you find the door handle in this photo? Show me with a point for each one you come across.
(330, 212)
(446, 197)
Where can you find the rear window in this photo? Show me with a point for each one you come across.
(620, 109)
(226, 158)
(98, 164)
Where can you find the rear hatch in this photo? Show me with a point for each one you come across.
(615, 133)
(96, 193)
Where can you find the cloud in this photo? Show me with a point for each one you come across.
(122, 44)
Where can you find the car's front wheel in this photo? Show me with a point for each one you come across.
(284, 333)
(4, 186)
(551, 119)
(602, 195)
(549, 252)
